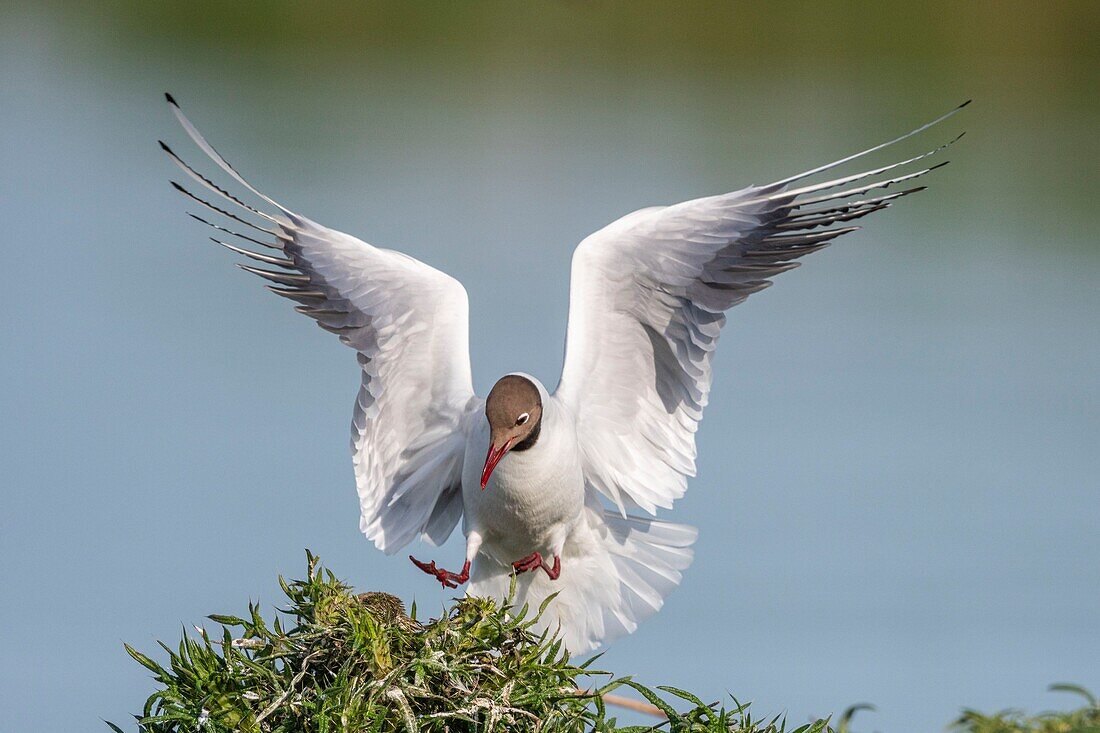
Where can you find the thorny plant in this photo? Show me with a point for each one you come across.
(336, 661)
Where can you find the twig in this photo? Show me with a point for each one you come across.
(636, 705)
(628, 703)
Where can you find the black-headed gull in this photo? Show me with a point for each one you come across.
(529, 472)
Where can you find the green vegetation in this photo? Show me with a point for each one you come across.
(337, 661)
(1083, 720)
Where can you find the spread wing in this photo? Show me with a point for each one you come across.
(648, 297)
(408, 324)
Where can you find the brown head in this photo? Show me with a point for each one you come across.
(514, 412)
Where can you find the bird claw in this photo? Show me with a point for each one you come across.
(535, 561)
(532, 561)
(445, 577)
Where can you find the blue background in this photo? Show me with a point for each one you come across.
(897, 489)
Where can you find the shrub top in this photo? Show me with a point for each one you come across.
(334, 660)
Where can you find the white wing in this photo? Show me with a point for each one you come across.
(647, 303)
(409, 324)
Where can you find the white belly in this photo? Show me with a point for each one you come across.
(533, 498)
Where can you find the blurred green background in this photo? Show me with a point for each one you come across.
(897, 486)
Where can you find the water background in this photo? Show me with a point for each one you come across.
(898, 473)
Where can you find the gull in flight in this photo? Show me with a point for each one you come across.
(548, 486)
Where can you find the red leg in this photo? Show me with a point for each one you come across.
(555, 571)
(530, 562)
(446, 577)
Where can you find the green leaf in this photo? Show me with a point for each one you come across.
(143, 660)
(656, 700)
(1076, 690)
(683, 695)
(849, 713)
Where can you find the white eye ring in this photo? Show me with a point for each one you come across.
(522, 419)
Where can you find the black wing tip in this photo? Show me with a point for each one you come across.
(964, 104)
(171, 100)
(164, 146)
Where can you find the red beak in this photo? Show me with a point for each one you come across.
(492, 458)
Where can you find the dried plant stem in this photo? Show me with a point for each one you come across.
(635, 705)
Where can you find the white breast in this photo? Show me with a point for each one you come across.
(533, 497)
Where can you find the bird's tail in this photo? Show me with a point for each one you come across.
(615, 573)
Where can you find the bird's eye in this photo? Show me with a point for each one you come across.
(522, 419)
